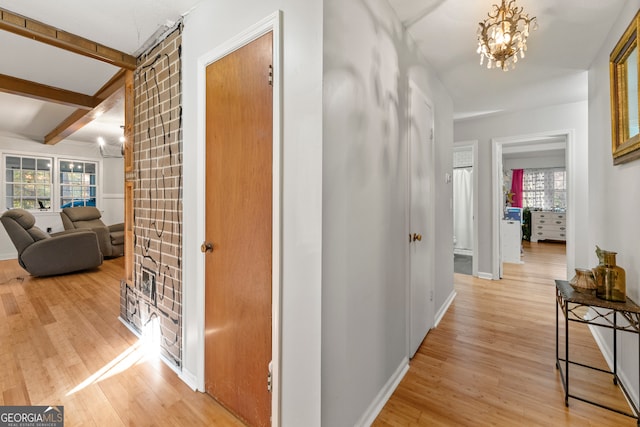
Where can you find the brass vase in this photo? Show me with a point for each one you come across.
(610, 279)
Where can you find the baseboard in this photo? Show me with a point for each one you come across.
(381, 399)
(467, 252)
(8, 255)
(443, 309)
(485, 276)
(607, 353)
(189, 378)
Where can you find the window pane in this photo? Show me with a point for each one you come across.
(65, 166)
(44, 164)
(28, 182)
(77, 183)
(28, 163)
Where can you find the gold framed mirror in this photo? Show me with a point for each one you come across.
(623, 71)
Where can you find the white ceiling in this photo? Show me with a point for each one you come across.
(554, 71)
(125, 25)
(570, 34)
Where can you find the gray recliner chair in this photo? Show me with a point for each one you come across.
(42, 254)
(110, 238)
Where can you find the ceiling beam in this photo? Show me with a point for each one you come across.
(44, 33)
(107, 97)
(16, 86)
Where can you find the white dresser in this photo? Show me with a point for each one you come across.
(548, 226)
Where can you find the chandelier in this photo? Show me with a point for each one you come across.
(503, 35)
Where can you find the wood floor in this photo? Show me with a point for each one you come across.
(491, 360)
(61, 343)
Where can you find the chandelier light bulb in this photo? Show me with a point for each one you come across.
(504, 34)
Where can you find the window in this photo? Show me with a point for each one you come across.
(28, 183)
(77, 183)
(545, 189)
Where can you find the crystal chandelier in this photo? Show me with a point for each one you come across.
(503, 35)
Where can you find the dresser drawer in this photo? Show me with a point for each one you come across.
(548, 235)
(548, 225)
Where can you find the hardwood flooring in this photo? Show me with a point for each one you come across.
(491, 360)
(62, 344)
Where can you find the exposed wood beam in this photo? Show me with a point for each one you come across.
(44, 33)
(16, 86)
(108, 96)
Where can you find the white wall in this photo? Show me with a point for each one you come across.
(210, 25)
(615, 194)
(112, 170)
(554, 118)
(367, 67)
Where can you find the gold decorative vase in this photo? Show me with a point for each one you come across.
(610, 279)
(583, 281)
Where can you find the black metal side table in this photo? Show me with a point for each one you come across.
(605, 315)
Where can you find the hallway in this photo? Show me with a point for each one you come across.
(491, 359)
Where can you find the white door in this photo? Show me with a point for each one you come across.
(421, 225)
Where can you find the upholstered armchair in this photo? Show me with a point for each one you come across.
(110, 238)
(42, 254)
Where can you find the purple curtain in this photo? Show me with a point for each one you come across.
(516, 187)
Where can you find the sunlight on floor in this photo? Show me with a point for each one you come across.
(148, 347)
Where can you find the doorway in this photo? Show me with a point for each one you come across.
(538, 151)
(465, 207)
(238, 224)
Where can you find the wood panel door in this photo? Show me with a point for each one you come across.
(239, 168)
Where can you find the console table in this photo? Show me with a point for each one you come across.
(606, 315)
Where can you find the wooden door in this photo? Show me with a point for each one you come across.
(239, 121)
(420, 219)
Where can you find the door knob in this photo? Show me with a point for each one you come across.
(417, 236)
(206, 247)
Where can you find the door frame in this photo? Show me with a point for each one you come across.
(272, 23)
(497, 145)
(413, 87)
(473, 144)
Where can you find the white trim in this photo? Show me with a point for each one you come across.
(272, 23)
(112, 196)
(8, 255)
(485, 276)
(606, 351)
(466, 252)
(383, 396)
(443, 309)
(496, 183)
(189, 379)
(473, 144)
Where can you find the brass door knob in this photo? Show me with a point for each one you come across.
(206, 247)
(417, 236)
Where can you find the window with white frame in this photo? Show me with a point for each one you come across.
(78, 183)
(28, 182)
(544, 189)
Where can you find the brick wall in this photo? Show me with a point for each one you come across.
(152, 304)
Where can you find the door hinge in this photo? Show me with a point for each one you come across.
(270, 377)
(270, 75)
